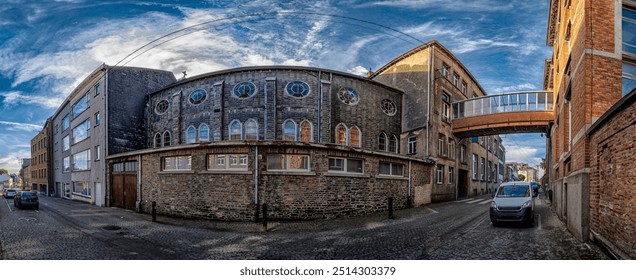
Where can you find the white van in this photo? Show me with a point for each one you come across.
(513, 202)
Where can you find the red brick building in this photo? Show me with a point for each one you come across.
(592, 42)
(40, 155)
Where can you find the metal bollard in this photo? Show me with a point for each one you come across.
(154, 212)
(391, 208)
(265, 216)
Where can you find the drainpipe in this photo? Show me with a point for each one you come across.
(318, 115)
(409, 189)
(139, 183)
(256, 177)
(431, 69)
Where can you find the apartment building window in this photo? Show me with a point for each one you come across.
(346, 165)
(66, 122)
(97, 153)
(81, 131)
(445, 70)
(455, 79)
(67, 165)
(629, 50)
(391, 169)
(445, 106)
(66, 143)
(440, 145)
(227, 162)
(482, 167)
(412, 145)
(440, 174)
(474, 167)
(178, 163)
(489, 175)
(451, 148)
(80, 106)
(97, 89)
(82, 160)
(98, 119)
(280, 162)
(451, 175)
(464, 87)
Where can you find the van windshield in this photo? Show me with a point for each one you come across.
(513, 191)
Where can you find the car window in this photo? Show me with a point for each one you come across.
(29, 195)
(513, 191)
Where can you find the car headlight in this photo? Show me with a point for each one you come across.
(526, 204)
(493, 205)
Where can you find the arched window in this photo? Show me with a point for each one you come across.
(306, 131)
(341, 134)
(354, 135)
(236, 130)
(204, 133)
(382, 142)
(393, 144)
(289, 130)
(191, 135)
(251, 130)
(157, 140)
(167, 139)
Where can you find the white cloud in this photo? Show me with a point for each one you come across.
(16, 98)
(457, 5)
(359, 70)
(528, 148)
(15, 126)
(516, 88)
(12, 161)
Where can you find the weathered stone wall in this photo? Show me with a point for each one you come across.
(314, 194)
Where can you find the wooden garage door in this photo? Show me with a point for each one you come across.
(124, 190)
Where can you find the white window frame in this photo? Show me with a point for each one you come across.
(412, 142)
(390, 165)
(295, 130)
(163, 139)
(351, 129)
(287, 163)
(191, 135)
(311, 130)
(247, 126)
(243, 162)
(383, 140)
(345, 165)
(239, 130)
(439, 174)
(177, 163)
(475, 168)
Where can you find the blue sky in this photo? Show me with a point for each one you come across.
(48, 47)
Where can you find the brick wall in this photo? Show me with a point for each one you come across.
(612, 178)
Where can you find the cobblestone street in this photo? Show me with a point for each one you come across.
(64, 229)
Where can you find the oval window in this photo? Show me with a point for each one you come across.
(197, 96)
(244, 90)
(388, 107)
(161, 107)
(297, 89)
(348, 96)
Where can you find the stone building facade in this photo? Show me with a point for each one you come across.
(593, 67)
(464, 166)
(310, 143)
(40, 163)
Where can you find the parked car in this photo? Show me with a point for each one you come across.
(9, 193)
(513, 202)
(26, 199)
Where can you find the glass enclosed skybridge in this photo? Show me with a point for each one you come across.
(517, 112)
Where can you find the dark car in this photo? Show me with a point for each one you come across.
(26, 199)
(9, 193)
